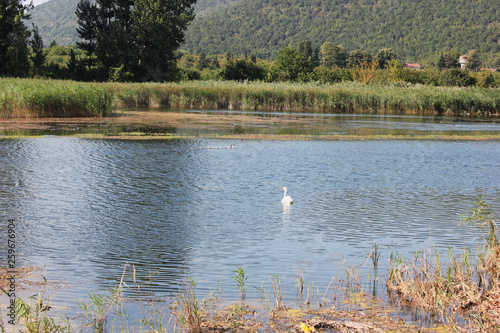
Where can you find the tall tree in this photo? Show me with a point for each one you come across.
(448, 60)
(290, 65)
(36, 43)
(124, 46)
(158, 28)
(13, 37)
(384, 56)
(106, 47)
(356, 58)
(86, 14)
(305, 48)
(333, 55)
(315, 59)
(473, 62)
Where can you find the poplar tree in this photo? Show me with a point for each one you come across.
(38, 57)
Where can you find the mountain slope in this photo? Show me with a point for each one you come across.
(412, 28)
(56, 19)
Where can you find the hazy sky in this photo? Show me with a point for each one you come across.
(37, 2)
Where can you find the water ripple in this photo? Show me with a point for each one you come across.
(86, 206)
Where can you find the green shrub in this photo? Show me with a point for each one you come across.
(457, 77)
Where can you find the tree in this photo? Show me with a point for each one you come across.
(473, 62)
(496, 63)
(36, 43)
(357, 57)
(106, 48)
(456, 77)
(290, 65)
(86, 14)
(315, 61)
(305, 48)
(214, 61)
(448, 60)
(13, 38)
(384, 56)
(333, 55)
(242, 69)
(158, 30)
(122, 33)
(203, 62)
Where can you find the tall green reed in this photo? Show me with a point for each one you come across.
(309, 97)
(30, 98)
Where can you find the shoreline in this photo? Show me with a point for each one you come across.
(178, 124)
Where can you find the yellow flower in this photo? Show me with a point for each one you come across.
(306, 328)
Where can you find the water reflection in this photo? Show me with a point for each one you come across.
(261, 123)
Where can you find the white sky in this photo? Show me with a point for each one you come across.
(37, 2)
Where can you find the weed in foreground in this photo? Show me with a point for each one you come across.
(33, 316)
(240, 279)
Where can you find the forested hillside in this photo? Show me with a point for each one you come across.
(56, 19)
(412, 28)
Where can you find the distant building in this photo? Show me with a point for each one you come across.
(463, 61)
(413, 66)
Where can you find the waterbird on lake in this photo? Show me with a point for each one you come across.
(286, 198)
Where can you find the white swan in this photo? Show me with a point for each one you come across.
(286, 198)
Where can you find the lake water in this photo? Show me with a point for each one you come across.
(177, 208)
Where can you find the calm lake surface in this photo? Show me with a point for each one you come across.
(177, 208)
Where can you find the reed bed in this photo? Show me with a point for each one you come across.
(346, 97)
(31, 98)
(464, 289)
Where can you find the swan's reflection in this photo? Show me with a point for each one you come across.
(286, 209)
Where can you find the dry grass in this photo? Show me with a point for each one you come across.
(465, 289)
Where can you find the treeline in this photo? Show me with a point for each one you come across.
(327, 64)
(333, 64)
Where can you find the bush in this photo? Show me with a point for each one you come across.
(190, 74)
(457, 77)
(334, 75)
(241, 70)
(486, 79)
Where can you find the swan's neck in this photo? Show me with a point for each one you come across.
(284, 195)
